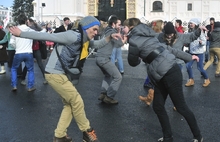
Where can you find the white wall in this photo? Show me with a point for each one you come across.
(203, 9)
(171, 9)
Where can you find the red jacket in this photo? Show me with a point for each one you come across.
(35, 45)
(179, 29)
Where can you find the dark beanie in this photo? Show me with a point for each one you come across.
(169, 28)
(212, 19)
(88, 22)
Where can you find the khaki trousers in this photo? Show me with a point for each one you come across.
(73, 106)
(213, 52)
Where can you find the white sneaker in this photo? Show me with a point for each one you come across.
(2, 71)
(45, 82)
(23, 82)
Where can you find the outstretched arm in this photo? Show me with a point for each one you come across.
(100, 43)
(67, 37)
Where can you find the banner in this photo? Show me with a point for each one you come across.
(6, 20)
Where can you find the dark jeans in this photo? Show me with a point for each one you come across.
(37, 56)
(171, 84)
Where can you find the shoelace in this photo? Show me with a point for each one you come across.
(160, 139)
(92, 135)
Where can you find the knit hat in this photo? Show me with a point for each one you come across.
(88, 22)
(195, 21)
(169, 28)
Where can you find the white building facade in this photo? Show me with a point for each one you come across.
(5, 12)
(146, 10)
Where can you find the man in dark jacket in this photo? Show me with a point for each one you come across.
(66, 26)
(210, 28)
(214, 48)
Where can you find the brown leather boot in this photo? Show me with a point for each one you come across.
(206, 83)
(149, 98)
(189, 83)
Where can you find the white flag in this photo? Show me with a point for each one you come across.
(6, 20)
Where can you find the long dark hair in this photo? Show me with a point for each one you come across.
(192, 29)
(170, 42)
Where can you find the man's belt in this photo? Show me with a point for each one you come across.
(153, 55)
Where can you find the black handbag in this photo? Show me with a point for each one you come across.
(73, 73)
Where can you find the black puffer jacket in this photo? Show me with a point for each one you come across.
(142, 41)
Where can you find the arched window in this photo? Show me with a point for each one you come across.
(157, 6)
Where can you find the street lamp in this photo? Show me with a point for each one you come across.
(35, 3)
(38, 10)
(41, 15)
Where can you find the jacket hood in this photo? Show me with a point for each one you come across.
(142, 30)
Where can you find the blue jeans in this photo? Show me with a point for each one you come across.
(37, 56)
(29, 63)
(116, 54)
(171, 84)
(199, 67)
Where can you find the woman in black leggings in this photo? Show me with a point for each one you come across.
(163, 72)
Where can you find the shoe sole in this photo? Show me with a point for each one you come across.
(102, 97)
(189, 85)
(110, 103)
(205, 85)
(14, 90)
(31, 90)
(23, 84)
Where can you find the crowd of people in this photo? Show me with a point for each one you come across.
(159, 46)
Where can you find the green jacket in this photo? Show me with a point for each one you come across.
(7, 39)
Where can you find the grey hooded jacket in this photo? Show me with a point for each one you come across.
(69, 49)
(142, 41)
